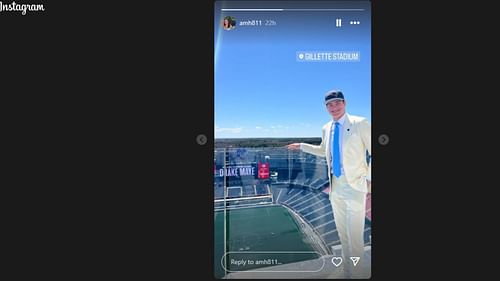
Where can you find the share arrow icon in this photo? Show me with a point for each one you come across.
(355, 260)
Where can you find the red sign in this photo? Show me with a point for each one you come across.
(263, 170)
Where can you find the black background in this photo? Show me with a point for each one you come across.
(102, 103)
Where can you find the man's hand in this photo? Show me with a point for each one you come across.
(293, 146)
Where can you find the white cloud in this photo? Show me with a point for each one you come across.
(228, 130)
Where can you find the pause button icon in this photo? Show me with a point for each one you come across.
(338, 22)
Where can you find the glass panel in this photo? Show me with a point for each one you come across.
(273, 214)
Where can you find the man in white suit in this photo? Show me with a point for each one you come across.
(345, 141)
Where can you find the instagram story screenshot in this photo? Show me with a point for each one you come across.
(292, 149)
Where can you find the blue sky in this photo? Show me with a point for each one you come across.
(262, 90)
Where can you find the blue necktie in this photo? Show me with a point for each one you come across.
(336, 150)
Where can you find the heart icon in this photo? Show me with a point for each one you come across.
(336, 261)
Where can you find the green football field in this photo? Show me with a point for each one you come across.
(269, 228)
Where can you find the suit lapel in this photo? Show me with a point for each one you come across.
(329, 142)
(347, 130)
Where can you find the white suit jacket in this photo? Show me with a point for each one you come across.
(356, 140)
